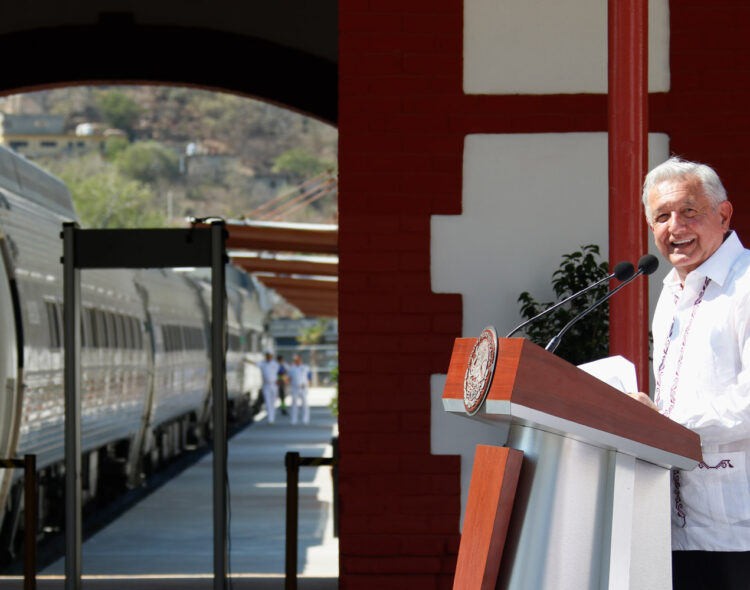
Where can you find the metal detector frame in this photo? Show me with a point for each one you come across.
(141, 248)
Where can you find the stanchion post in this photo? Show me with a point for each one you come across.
(30, 516)
(335, 477)
(72, 373)
(218, 388)
(292, 509)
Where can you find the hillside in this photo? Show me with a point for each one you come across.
(184, 152)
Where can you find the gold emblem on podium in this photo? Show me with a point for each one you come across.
(480, 370)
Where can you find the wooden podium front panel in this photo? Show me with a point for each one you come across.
(528, 376)
(491, 494)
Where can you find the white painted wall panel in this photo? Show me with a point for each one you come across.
(527, 199)
(543, 47)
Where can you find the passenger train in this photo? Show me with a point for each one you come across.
(145, 356)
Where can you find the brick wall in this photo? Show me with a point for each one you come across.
(402, 120)
(706, 111)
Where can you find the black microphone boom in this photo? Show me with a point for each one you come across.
(622, 271)
(646, 266)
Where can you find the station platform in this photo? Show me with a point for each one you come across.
(166, 540)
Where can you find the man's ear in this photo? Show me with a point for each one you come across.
(725, 212)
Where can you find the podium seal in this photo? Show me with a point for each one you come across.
(480, 370)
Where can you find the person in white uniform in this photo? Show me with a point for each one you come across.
(701, 331)
(270, 371)
(299, 374)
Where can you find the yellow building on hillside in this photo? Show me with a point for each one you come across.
(42, 136)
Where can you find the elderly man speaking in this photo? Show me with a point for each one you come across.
(701, 332)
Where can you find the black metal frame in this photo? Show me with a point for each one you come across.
(141, 248)
(293, 462)
(28, 464)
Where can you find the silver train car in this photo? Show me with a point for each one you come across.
(145, 355)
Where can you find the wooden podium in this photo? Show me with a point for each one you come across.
(592, 503)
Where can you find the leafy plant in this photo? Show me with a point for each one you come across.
(588, 339)
(303, 164)
(104, 198)
(311, 335)
(148, 161)
(119, 109)
(334, 405)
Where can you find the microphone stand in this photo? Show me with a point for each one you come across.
(621, 270)
(646, 266)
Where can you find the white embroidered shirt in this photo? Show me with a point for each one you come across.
(702, 367)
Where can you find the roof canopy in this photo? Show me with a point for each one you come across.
(279, 252)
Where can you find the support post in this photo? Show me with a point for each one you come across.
(628, 160)
(335, 477)
(292, 508)
(30, 522)
(72, 340)
(142, 248)
(218, 388)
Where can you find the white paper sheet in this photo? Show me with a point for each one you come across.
(616, 371)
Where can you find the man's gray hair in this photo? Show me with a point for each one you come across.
(678, 169)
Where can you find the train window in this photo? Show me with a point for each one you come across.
(253, 341)
(191, 341)
(137, 333)
(233, 342)
(127, 327)
(84, 329)
(198, 335)
(122, 341)
(53, 323)
(132, 329)
(94, 326)
(171, 337)
(103, 329)
(112, 340)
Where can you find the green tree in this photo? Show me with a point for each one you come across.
(148, 161)
(119, 109)
(115, 145)
(334, 404)
(587, 340)
(103, 198)
(310, 335)
(301, 163)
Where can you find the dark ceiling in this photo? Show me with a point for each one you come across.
(284, 52)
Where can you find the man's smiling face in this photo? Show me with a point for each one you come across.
(687, 228)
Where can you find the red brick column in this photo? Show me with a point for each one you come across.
(402, 122)
(400, 162)
(705, 113)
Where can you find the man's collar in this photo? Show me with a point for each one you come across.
(718, 264)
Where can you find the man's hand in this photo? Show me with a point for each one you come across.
(644, 399)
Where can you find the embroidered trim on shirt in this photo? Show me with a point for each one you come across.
(677, 498)
(723, 464)
(675, 381)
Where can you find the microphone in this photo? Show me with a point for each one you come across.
(646, 266)
(622, 270)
